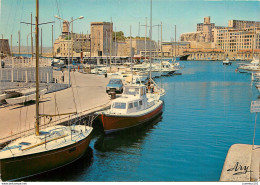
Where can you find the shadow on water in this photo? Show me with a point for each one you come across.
(67, 173)
(125, 138)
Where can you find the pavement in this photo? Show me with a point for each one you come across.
(241, 164)
(88, 92)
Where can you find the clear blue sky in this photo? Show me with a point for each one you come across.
(185, 14)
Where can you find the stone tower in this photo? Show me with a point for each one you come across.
(100, 38)
(65, 28)
(4, 47)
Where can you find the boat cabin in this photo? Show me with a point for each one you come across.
(133, 100)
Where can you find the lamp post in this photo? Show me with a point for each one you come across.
(69, 22)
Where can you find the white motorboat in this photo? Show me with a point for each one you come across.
(130, 110)
(227, 62)
(253, 66)
(100, 70)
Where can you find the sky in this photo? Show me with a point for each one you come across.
(185, 14)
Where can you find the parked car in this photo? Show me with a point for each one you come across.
(115, 85)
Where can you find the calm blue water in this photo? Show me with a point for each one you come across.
(207, 109)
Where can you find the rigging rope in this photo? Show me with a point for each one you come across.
(74, 97)
(56, 107)
(77, 92)
(59, 14)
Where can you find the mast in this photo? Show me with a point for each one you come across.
(175, 45)
(110, 47)
(161, 41)
(106, 50)
(145, 38)
(158, 41)
(131, 55)
(52, 41)
(11, 45)
(41, 42)
(115, 45)
(253, 43)
(151, 23)
(19, 42)
(37, 132)
(31, 38)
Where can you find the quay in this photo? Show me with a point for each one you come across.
(241, 164)
(87, 92)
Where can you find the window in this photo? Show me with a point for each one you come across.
(130, 105)
(119, 105)
(140, 102)
(131, 91)
(136, 104)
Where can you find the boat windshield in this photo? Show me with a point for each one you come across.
(119, 105)
(131, 91)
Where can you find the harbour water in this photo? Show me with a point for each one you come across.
(206, 110)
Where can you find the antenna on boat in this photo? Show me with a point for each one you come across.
(151, 25)
(37, 132)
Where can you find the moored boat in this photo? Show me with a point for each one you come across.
(47, 149)
(130, 110)
(53, 148)
(227, 62)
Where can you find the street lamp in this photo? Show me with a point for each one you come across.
(69, 22)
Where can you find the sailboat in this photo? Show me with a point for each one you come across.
(47, 149)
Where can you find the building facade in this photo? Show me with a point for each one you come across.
(204, 54)
(238, 36)
(238, 24)
(71, 44)
(233, 40)
(101, 34)
(172, 49)
(203, 34)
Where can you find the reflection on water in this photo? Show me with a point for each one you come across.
(69, 172)
(125, 138)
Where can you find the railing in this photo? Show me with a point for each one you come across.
(26, 74)
(85, 117)
(26, 62)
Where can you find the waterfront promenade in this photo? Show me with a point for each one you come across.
(88, 96)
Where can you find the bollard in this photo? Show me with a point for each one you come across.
(113, 95)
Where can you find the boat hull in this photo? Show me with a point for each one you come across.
(23, 99)
(114, 123)
(25, 166)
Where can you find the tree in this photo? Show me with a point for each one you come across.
(119, 35)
